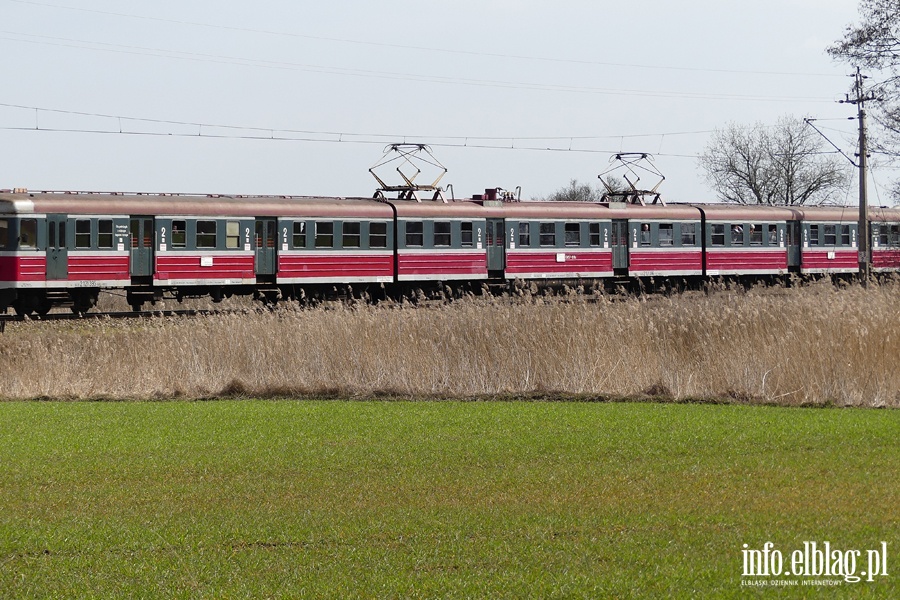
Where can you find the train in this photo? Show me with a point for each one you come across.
(61, 249)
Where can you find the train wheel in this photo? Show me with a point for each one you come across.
(268, 298)
(22, 308)
(83, 300)
(31, 305)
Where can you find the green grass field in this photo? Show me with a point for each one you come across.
(440, 499)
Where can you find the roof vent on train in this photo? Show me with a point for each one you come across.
(628, 165)
(410, 161)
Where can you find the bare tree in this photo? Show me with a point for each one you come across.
(874, 44)
(782, 164)
(584, 192)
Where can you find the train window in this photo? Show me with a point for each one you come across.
(666, 234)
(773, 235)
(573, 234)
(82, 233)
(206, 234)
(415, 233)
(718, 235)
(442, 233)
(845, 235)
(645, 234)
(179, 234)
(548, 234)
(271, 232)
(688, 234)
(465, 231)
(895, 235)
(351, 235)
(299, 234)
(737, 235)
(525, 234)
(883, 236)
(756, 235)
(594, 232)
(813, 235)
(377, 235)
(28, 233)
(104, 233)
(324, 234)
(135, 232)
(4, 233)
(830, 235)
(232, 234)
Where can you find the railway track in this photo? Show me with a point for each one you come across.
(190, 312)
(409, 303)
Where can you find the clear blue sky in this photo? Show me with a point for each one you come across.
(594, 77)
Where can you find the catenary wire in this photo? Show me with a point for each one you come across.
(330, 70)
(325, 140)
(417, 48)
(337, 133)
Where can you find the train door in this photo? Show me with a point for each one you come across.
(142, 233)
(793, 245)
(495, 241)
(57, 251)
(266, 240)
(618, 241)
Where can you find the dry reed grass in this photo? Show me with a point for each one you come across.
(813, 345)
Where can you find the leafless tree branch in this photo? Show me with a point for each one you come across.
(779, 165)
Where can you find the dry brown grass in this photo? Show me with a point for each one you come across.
(813, 345)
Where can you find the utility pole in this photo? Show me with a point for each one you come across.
(863, 233)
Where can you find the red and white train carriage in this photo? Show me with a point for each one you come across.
(64, 248)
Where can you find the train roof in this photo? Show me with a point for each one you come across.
(542, 210)
(739, 212)
(224, 205)
(850, 214)
(193, 205)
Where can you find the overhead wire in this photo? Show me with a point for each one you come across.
(244, 132)
(332, 70)
(525, 142)
(436, 144)
(393, 136)
(395, 45)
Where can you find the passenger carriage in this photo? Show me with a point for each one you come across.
(885, 239)
(663, 241)
(743, 240)
(826, 239)
(560, 240)
(439, 241)
(63, 248)
(320, 241)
